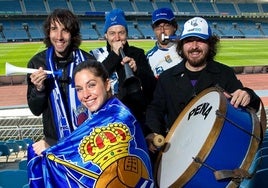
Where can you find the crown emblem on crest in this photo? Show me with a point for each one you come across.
(105, 144)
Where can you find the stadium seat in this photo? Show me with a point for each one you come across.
(262, 152)
(28, 141)
(5, 151)
(22, 145)
(259, 180)
(13, 178)
(23, 164)
(13, 146)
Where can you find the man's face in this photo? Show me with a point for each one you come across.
(195, 51)
(60, 38)
(163, 28)
(116, 33)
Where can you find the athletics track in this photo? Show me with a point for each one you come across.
(15, 95)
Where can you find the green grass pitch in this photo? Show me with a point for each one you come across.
(232, 52)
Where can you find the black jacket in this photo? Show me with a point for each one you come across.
(39, 102)
(174, 91)
(138, 101)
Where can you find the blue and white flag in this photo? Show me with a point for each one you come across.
(107, 150)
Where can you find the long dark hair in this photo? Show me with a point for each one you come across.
(70, 22)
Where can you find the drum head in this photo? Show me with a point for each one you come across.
(188, 138)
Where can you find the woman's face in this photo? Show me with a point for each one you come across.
(92, 91)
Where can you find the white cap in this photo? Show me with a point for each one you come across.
(196, 27)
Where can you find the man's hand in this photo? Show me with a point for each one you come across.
(238, 98)
(154, 141)
(38, 78)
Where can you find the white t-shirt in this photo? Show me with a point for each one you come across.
(161, 59)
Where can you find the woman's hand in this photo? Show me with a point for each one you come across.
(40, 146)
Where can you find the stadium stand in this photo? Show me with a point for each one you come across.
(226, 8)
(52, 4)
(205, 8)
(167, 4)
(239, 19)
(102, 5)
(265, 7)
(185, 8)
(10, 7)
(36, 7)
(80, 6)
(144, 6)
(125, 5)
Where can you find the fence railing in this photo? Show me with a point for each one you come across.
(21, 127)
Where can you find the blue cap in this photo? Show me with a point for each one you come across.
(115, 17)
(162, 14)
(196, 27)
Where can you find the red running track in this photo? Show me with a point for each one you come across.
(16, 95)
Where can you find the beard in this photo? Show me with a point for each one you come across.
(196, 62)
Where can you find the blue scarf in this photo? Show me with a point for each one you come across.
(77, 112)
(108, 149)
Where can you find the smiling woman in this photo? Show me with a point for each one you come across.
(232, 52)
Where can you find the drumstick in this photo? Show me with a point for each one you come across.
(158, 140)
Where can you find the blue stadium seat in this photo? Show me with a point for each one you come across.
(57, 4)
(10, 6)
(166, 3)
(185, 7)
(80, 6)
(259, 180)
(13, 178)
(226, 8)
(248, 7)
(124, 5)
(205, 8)
(5, 151)
(102, 5)
(22, 145)
(23, 164)
(28, 140)
(36, 7)
(144, 6)
(13, 146)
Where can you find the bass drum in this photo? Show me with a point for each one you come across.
(209, 136)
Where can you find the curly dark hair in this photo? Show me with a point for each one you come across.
(70, 22)
(212, 43)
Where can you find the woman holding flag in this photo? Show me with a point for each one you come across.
(107, 150)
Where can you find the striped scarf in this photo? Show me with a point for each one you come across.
(63, 127)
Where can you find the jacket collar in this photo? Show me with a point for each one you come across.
(126, 46)
(210, 68)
